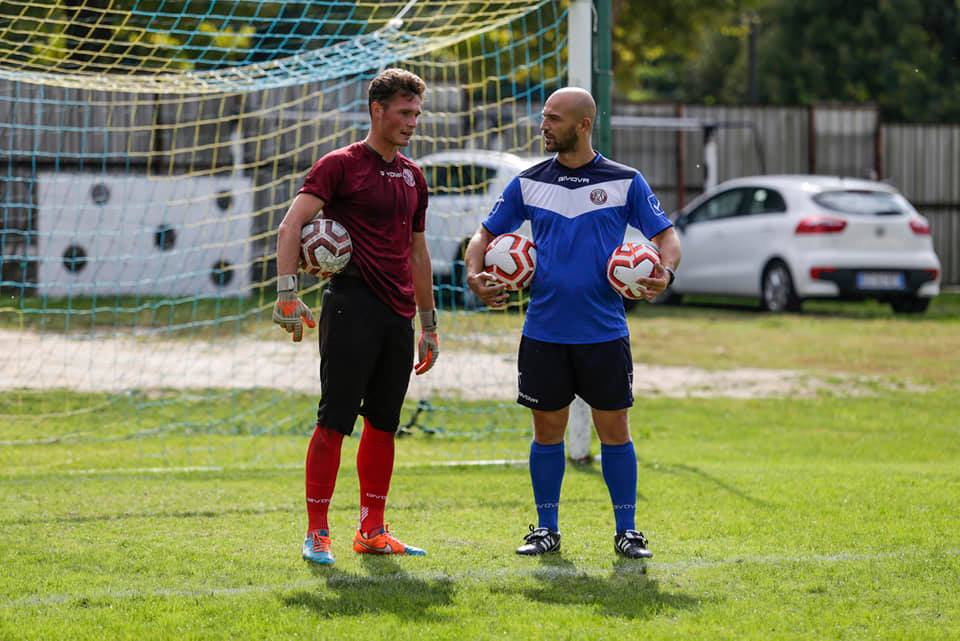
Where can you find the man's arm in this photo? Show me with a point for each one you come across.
(428, 347)
(303, 209)
(289, 312)
(484, 284)
(422, 272)
(668, 243)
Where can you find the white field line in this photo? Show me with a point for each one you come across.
(545, 573)
(217, 469)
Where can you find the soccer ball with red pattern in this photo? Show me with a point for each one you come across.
(325, 248)
(628, 263)
(512, 258)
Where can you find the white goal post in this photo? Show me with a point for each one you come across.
(579, 70)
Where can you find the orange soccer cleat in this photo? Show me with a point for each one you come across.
(383, 543)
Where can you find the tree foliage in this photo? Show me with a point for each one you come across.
(903, 55)
(656, 42)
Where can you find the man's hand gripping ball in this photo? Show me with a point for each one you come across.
(428, 349)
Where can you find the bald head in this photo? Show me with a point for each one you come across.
(575, 101)
(568, 116)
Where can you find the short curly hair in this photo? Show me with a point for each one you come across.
(391, 82)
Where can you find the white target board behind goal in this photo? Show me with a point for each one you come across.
(132, 234)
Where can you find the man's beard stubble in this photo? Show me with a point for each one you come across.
(562, 144)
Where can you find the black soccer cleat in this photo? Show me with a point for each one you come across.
(632, 544)
(540, 541)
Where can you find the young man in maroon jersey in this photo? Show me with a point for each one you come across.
(366, 333)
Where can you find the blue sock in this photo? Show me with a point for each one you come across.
(619, 464)
(547, 464)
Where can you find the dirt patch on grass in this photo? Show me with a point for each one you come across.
(116, 363)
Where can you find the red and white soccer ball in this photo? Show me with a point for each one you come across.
(512, 258)
(325, 248)
(628, 263)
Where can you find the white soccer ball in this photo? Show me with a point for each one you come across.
(325, 248)
(512, 258)
(628, 263)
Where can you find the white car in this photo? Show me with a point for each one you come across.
(789, 238)
(464, 185)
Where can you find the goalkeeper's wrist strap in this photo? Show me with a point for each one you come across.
(286, 283)
(428, 319)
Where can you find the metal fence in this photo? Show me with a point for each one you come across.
(923, 161)
(276, 135)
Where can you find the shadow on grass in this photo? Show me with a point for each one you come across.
(589, 467)
(679, 469)
(386, 588)
(626, 593)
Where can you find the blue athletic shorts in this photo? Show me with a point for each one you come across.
(551, 373)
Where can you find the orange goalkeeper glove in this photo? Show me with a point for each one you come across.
(428, 348)
(289, 312)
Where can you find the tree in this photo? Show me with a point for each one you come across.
(657, 43)
(903, 55)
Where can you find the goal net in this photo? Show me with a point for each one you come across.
(151, 149)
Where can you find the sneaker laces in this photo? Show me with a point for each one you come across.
(634, 535)
(536, 534)
(321, 543)
(390, 537)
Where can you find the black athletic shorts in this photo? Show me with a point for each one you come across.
(551, 373)
(366, 356)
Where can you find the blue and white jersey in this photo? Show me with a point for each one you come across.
(579, 216)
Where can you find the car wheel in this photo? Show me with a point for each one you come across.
(777, 292)
(910, 304)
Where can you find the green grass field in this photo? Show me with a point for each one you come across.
(832, 517)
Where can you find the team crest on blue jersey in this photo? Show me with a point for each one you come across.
(655, 204)
(598, 196)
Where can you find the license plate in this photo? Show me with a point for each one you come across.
(880, 280)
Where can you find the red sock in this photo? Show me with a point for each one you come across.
(323, 462)
(374, 467)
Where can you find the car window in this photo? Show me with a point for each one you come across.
(720, 206)
(763, 200)
(458, 179)
(876, 203)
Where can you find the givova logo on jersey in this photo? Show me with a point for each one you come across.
(655, 204)
(406, 174)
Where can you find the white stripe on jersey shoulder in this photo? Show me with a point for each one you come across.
(571, 203)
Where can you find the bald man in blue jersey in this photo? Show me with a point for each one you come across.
(575, 337)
